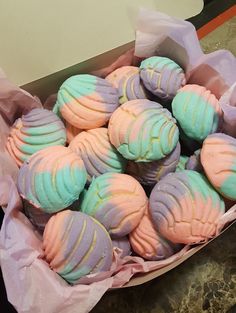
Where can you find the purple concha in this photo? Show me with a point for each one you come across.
(162, 76)
(76, 245)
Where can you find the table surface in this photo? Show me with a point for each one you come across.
(204, 283)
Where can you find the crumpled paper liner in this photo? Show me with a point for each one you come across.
(228, 105)
(31, 285)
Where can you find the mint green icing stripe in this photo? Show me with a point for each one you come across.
(228, 188)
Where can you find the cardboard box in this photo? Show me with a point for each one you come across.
(49, 84)
(39, 38)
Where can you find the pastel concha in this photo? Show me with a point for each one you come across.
(185, 208)
(34, 131)
(218, 158)
(76, 245)
(147, 243)
(197, 111)
(86, 101)
(127, 80)
(98, 154)
(52, 178)
(162, 76)
(117, 201)
(143, 131)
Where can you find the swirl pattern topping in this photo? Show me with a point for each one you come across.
(117, 201)
(185, 208)
(143, 131)
(86, 101)
(52, 178)
(33, 132)
(76, 245)
(98, 154)
(162, 76)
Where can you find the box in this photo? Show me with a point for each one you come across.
(49, 84)
(46, 37)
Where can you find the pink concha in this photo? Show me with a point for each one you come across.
(139, 130)
(86, 101)
(218, 158)
(147, 243)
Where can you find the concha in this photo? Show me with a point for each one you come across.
(127, 80)
(185, 208)
(76, 245)
(218, 158)
(147, 243)
(143, 131)
(117, 201)
(33, 132)
(52, 178)
(98, 154)
(162, 76)
(197, 111)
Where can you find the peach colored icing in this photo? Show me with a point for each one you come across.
(147, 243)
(75, 245)
(205, 94)
(117, 201)
(143, 130)
(218, 157)
(86, 115)
(98, 154)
